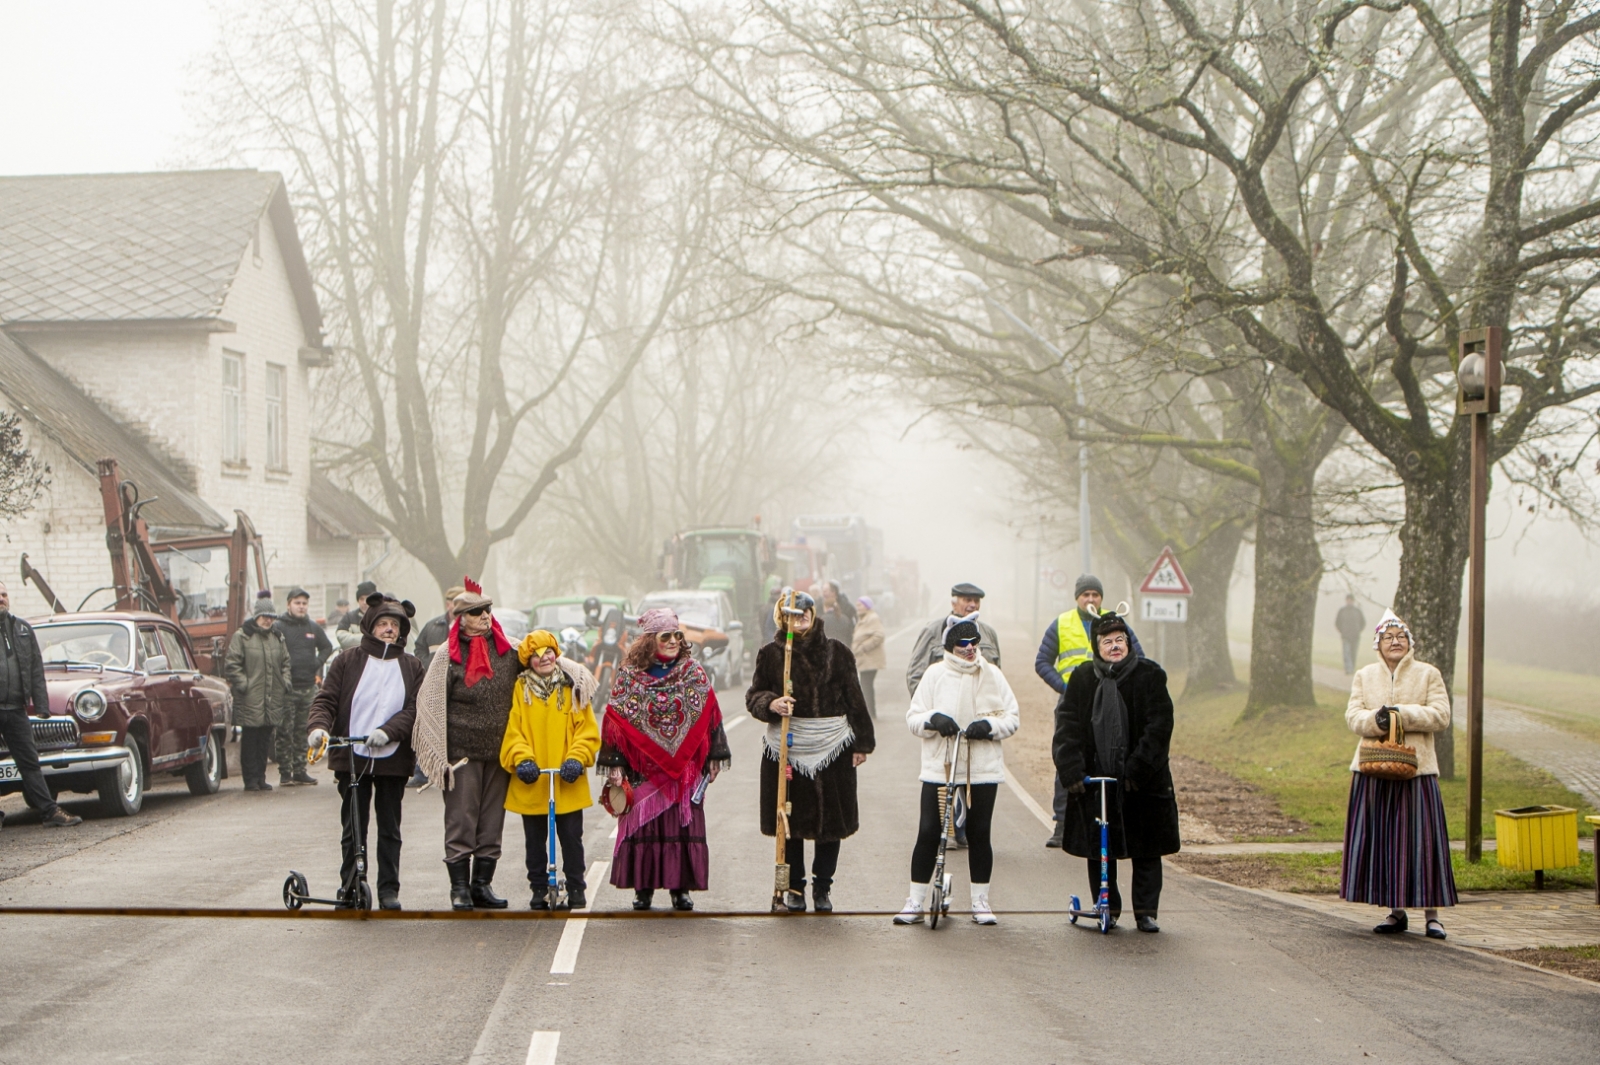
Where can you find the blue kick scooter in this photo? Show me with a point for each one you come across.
(556, 884)
(1102, 907)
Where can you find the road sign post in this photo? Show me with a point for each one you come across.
(1164, 597)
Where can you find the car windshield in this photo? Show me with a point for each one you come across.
(514, 623)
(700, 611)
(557, 616)
(105, 643)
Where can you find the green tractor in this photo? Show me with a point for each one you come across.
(741, 562)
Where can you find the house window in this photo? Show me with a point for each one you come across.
(232, 407)
(277, 401)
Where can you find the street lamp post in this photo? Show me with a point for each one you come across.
(1477, 397)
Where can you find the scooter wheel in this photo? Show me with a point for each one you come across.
(364, 896)
(935, 905)
(1073, 907)
(1105, 922)
(295, 890)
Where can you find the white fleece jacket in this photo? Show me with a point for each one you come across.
(1417, 689)
(964, 691)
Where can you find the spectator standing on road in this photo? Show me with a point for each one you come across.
(435, 631)
(838, 614)
(1396, 842)
(965, 599)
(1115, 720)
(961, 691)
(832, 735)
(663, 737)
(552, 726)
(257, 669)
(309, 649)
(461, 718)
(1064, 648)
(351, 621)
(22, 683)
(868, 646)
(371, 692)
(1351, 623)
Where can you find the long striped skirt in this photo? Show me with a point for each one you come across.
(1396, 845)
(664, 853)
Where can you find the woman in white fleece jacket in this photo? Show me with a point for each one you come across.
(961, 691)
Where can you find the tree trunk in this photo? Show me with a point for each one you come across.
(1288, 573)
(1210, 570)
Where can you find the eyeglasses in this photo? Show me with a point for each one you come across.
(1396, 637)
(669, 637)
(475, 612)
(966, 643)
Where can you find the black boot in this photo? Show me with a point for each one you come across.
(460, 894)
(541, 897)
(682, 901)
(576, 899)
(642, 897)
(822, 899)
(482, 874)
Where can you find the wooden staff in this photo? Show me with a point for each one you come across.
(780, 875)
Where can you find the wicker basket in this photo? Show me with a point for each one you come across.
(1390, 758)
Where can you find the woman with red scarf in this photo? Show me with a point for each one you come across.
(461, 720)
(663, 736)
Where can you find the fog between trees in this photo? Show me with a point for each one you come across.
(594, 272)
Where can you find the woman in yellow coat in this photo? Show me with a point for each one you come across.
(552, 725)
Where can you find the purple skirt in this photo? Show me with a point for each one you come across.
(1396, 845)
(664, 853)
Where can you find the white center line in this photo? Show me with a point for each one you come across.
(542, 1048)
(1030, 802)
(572, 936)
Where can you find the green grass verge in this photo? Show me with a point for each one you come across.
(1302, 759)
(1318, 873)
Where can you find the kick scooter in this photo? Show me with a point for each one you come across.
(296, 892)
(556, 889)
(1102, 906)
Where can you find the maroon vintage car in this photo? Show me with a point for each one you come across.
(126, 702)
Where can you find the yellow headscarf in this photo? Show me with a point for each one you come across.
(534, 644)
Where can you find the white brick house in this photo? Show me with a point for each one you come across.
(168, 320)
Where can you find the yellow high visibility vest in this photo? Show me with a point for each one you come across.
(1072, 642)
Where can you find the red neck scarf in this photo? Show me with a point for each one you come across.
(478, 667)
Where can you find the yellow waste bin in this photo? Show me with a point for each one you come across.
(1536, 838)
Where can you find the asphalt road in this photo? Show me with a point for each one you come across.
(1231, 978)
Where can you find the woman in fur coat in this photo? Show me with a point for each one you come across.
(961, 692)
(832, 736)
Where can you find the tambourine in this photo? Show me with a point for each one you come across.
(617, 798)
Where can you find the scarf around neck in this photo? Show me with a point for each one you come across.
(1109, 717)
(478, 667)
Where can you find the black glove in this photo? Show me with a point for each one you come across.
(41, 714)
(1129, 785)
(1076, 788)
(571, 770)
(980, 729)
(527, 771)
(1383, 719)
(943, 724)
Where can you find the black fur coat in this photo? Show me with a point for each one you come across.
(826, 684)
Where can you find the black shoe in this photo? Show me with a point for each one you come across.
(821, 900)
(541, 898)
(682, 901)
(61, 819)
(1435, 930)
(483, 897)
(576, 898)
(460, 892)
(795, 901)
(261, 785)
(286, 781)
(388, 900)
(1146, 923)
(303, 777)
(1391, 926)
(1055, 838)
(642, 897)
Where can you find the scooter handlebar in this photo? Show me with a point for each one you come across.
(1099, 780)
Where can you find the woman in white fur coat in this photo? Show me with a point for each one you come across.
(962, 691)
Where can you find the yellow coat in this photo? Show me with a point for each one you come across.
(549, 731)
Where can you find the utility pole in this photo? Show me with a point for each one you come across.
(1477, 397)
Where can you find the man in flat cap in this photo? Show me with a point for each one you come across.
(965, 598)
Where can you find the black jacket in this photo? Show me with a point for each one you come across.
(431, 637)
(309, 647)
(1144, 816)
(21, 646)
(826, 684)
(330, 710)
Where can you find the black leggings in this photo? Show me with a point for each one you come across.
(824, 863)
(980, 852)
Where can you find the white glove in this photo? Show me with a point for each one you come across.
(377, 737)
(317, 737)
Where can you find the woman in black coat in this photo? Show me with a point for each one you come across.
(832, 736)
(1115, 720)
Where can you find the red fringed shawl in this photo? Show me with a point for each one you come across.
(662, 726)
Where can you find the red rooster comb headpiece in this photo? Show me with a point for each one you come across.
(471, 585)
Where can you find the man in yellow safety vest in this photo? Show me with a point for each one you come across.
(1065, 647)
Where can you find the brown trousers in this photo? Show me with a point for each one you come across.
(475, 812)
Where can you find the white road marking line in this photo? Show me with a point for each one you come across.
(572, 936)
(1030, 802)
(542, 1048)
(728, 726)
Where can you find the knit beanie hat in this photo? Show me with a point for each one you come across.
(1087, 582)
(264, 608)
(961, 630)
(1389, 621)
(364, 589)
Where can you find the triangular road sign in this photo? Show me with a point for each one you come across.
(1166, 577)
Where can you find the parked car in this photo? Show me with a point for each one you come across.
(126, 702)
(514, 623)
(712, 628)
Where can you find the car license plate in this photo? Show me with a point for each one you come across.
(10, 772)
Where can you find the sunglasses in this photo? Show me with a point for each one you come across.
(475, 612)
(669, 637)
(966, 643)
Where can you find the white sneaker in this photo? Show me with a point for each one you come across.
(981, 913)
(915, 902)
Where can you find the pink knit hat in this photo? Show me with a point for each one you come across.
(658, 620)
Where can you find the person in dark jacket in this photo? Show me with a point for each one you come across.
(22, 683)
(838, 613)
(257, 669)
(1115, 720)
(371, 691)
(1064, 648)
(1352, 624)
(832, 736)
(965, 600)
(309, 647)
(435, 631)
(352, 617)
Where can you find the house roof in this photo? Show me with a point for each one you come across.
(163, 247)
(342, 515)
(87, 433)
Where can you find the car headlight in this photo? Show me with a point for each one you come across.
(89, 704)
